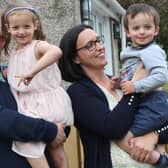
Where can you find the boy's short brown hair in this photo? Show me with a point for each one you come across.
(137, 8)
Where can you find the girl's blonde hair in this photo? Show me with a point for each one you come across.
(17, 5)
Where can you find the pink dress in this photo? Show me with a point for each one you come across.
(43, 98)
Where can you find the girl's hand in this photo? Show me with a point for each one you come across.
(141, 147)
(139, 73)
(25, 78)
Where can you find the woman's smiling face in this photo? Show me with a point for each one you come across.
(90, 50)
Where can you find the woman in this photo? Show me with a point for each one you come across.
(100, 113)
(15, 126)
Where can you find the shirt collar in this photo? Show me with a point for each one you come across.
(138, 47)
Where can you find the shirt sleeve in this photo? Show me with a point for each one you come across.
(154, 60)
(92, 113)
(163, 133)
(16, 126)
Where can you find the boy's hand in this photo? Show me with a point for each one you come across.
(115, 82)
(127, 87)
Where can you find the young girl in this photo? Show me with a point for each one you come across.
(43, 97)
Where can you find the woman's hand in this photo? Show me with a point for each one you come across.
(142, 147)
(124, 142)
(127, 87)
(139, 73)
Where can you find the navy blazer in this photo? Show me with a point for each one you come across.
(15, 126)
(97, 124)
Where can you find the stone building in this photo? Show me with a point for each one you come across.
(106, 18)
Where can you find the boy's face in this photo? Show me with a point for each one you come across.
(141, 29)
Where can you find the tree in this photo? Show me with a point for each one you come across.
(162, 7)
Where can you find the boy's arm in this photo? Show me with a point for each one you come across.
(155, 63)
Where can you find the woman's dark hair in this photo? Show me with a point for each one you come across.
(69, 69)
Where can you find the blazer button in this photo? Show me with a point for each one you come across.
(131, 100)
(129, 103)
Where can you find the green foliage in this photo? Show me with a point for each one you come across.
(162, 8)
(165, 87)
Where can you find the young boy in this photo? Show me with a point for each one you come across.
(142, 26)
